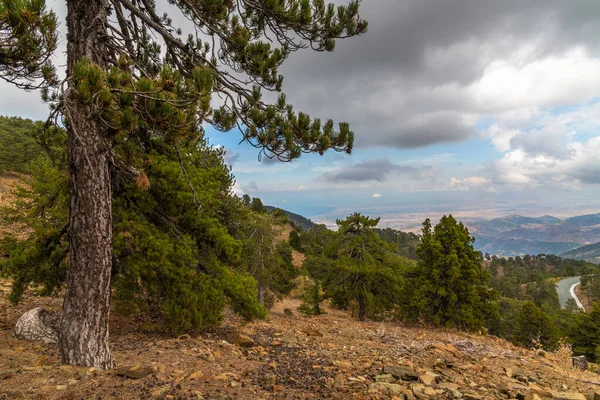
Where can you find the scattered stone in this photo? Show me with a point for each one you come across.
(160, 391)
(243, 340)
(532, 396)
(404, 373)
(386, 378)
(429, 378)
(278, 388)
(417, 391)
(71, 371)
(516, 373)
(567, 396)
(276, 343)
(226, 376)
(195, 375)
(185, 336)
(386, 387)
(448, 385)
(593, 395)
(313, 333)
(472, 396)
(61, 387)
(580, 362)
(134, 372)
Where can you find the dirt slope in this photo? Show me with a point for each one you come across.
(293, 357)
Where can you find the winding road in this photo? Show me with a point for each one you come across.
(566, 290)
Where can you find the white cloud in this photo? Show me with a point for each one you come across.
(377, 195)
(557, 149)
(558, 79)
(471, 182)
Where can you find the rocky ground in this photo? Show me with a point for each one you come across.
(290, 357)
(332, 356)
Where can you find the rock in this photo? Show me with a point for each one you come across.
(278, 388)
(71, 371)
(195, 375)
(185, 336)
(568, 396)
(61, 387)
(515, 373)
(456, 394)
(532, 396)
(429, 378)
(472, 396)
(313, 333)
(450, 348)
(404, 373)
(386, 378)
(386, 387)
(448, 385)
(38, 324)
(226, 376)
(160, 391)
(276, 343)
(580, 362)
(593, 395)
(243, 340)
(134, 372)
(417, 391)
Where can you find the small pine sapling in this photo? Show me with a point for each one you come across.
(311, 301)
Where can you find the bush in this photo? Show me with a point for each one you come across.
(311, 302)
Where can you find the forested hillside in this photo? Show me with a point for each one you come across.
(590, 252)
(518, 235)
(18, 146)
(297, 219)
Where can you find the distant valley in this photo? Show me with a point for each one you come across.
(575, 237)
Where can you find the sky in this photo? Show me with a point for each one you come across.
(481, 108)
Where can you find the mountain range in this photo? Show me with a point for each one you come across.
(517, 235)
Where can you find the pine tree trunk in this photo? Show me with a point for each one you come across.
(362, 312)
(261, 295)
(83, 333)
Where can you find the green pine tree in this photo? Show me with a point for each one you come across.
(585, 334)
(533, 327)
(448, 286)
(312, 299)
(363, 268)
(143, 91)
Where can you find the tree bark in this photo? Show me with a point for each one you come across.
(83, 332)
(362, 307)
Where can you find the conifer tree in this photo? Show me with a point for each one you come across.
(449, 285)
(312, 299)
(132, 77)
(532, 326)
(364, 268)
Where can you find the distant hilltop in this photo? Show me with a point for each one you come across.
(517, 235)
(297, 219)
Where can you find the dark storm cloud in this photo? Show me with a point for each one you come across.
(395, 72)
(376, 170)
(428, 131)
(404, 83)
